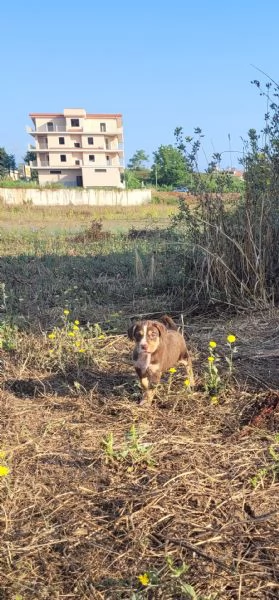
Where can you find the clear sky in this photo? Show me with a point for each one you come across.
(161, 64)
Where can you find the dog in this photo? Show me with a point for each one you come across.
(158, 347)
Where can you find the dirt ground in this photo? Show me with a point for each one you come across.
(102, 490)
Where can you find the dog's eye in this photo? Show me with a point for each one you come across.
(139, 334)
(152, 335)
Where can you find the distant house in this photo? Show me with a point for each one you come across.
(234, 172)
(78, 149)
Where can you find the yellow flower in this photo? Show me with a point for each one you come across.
(76, 322)
(172, 370)
(81, 350)
(187, 382)
(144, 579)
(4, 471)
(75, 327)
(101, 337)
(212, 344)
(71, 334)
(66, 312)
(214, 400)
(210, 358)
(51, 336)
(77, 344)
(231, 338)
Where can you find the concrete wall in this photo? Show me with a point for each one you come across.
(77, 196)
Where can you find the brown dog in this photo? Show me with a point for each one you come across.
(159, 346)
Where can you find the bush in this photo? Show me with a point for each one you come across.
(233, 246)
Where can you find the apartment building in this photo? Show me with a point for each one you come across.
(78, 149)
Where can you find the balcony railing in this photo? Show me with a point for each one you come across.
(46, 129)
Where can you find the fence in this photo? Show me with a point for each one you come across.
(76, 197)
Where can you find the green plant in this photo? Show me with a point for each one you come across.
(8, 336)
(231, 339)
(132, 449)
(212, 377)
(273, 467)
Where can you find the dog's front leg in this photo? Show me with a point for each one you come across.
(152, 379)
(147, 393)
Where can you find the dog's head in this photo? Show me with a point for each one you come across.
(147, 335)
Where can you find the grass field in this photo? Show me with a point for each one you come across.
(102, 498)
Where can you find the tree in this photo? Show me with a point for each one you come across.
(7, 162)
(169, 166)
(29, 157)
(136, 163)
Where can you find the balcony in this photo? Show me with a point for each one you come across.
(47, 129)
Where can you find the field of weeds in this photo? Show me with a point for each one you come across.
(102, 498)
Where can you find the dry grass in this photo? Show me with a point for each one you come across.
(100, 489)
(80, 522)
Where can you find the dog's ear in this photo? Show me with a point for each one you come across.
(169, 323)
(161, 328)
(131, 331)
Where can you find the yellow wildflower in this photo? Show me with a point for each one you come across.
(214, 400)
(210, 358)
(71, 334)
(4, 471)
(231, 338)
(77, 344)
(212, 344)
(172, 370)
(75, 327)
(66, 312)
(101, 337)
(144, 579)
(81, 350)
(187, 382)
(76, 322)
(51, 336)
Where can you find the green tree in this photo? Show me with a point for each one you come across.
(131, 180)
(170, 167)
(7, 162)
(138, 160)
(29, 157)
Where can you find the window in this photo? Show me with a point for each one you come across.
(74, 122)
(100, 170)
(50, 126)
(107, 143)
(55, 172)
(92, 157)
(103, 127)
(90, 141)
(63, 158)
(77, 145)
(61, 140)
(77, 162)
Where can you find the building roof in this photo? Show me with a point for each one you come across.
(88, 115)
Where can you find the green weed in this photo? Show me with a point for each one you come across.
(132, 450)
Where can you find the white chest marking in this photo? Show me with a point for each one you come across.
(143, 361)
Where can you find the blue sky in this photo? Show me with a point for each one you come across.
(160, 64)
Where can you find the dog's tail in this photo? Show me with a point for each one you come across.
(168, 322)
